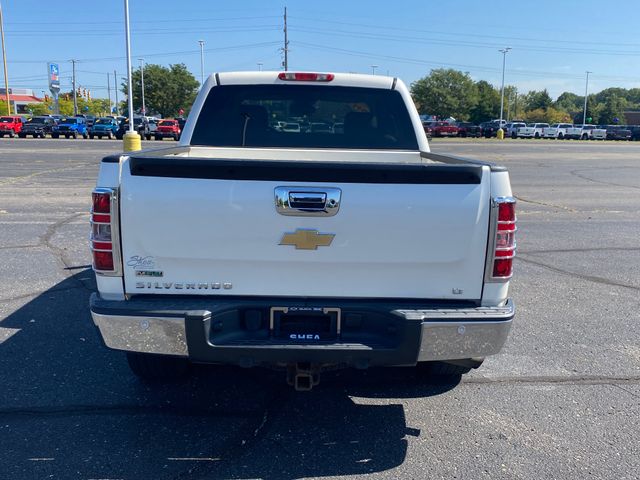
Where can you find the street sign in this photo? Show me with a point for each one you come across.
(53, 73)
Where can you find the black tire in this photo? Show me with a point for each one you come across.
(147, 137)
(157, 367)
(85, 135)
(537, 135)
(175, 137)
(66, 136)
(43, 135)
(561, 136)
(75, 135)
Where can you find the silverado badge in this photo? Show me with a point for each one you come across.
(304, 239)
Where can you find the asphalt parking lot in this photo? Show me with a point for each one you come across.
(561, 401)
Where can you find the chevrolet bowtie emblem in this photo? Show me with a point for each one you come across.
(307, 239)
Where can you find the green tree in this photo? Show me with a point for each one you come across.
(487, 106)
(535, 99)
(569, 102)
(613, 109)
(166, 90)
(445, 93)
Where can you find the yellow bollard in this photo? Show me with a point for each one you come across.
(132, 141)
(500, 134)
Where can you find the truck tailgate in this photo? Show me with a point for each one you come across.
(211, 227)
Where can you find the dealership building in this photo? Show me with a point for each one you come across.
(19, 98)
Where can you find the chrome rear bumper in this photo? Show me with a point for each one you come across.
(422, 335)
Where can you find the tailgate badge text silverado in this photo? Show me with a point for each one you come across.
(304, 239)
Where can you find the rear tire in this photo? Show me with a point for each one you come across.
(157, 368)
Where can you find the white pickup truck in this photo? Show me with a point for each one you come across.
(532, 130)
(586, 132)
(557, 130)
(250, 245)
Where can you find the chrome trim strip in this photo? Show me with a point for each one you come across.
(161, 335)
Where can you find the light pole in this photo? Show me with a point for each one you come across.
(259, 66)
(586, 90)
(144, 109)
(504, 62)
(4, 62)
(131, 138)
(201, 42)
(373, 69)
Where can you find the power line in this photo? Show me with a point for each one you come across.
(462, 34)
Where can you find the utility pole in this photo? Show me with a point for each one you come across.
(373, 69)
(586, 90)
(201, 42)
(286, 43)
(504, 62)
(260, 66)
(115, 88)
(109, 92)
(4, 61)
(144, 109)
(73, 82)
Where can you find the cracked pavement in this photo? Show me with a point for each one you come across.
(561, 401)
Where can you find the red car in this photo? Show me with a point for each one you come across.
(444, 129)
(10, 125)
(168, 128)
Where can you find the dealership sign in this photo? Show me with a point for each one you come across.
(53, 72)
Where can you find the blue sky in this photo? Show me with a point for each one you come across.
(553, 42)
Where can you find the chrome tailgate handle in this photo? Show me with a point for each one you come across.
(307, 201)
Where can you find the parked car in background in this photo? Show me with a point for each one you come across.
(635, 132)
(574, 133)
(426, 126)
(153, 126)
(618, 132)
(468, 129)
(490, 129)
(594, 132)
(104, 127)
(557, 130)
(532, 130)
(37, 127)
(10, 125)
(140, 125)
(168, 128)
(511, 129)
(70, 127)
(444, 129)
(89, 120)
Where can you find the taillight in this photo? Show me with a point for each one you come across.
(504, 241)
(104, 232)
(306, 76)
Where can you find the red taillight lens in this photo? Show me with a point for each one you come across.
(103, 260)
(101, 202)
(503, 267)
(104, 247)
(306, 76)
(504, 248)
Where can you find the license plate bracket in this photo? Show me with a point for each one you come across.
(305, 324)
